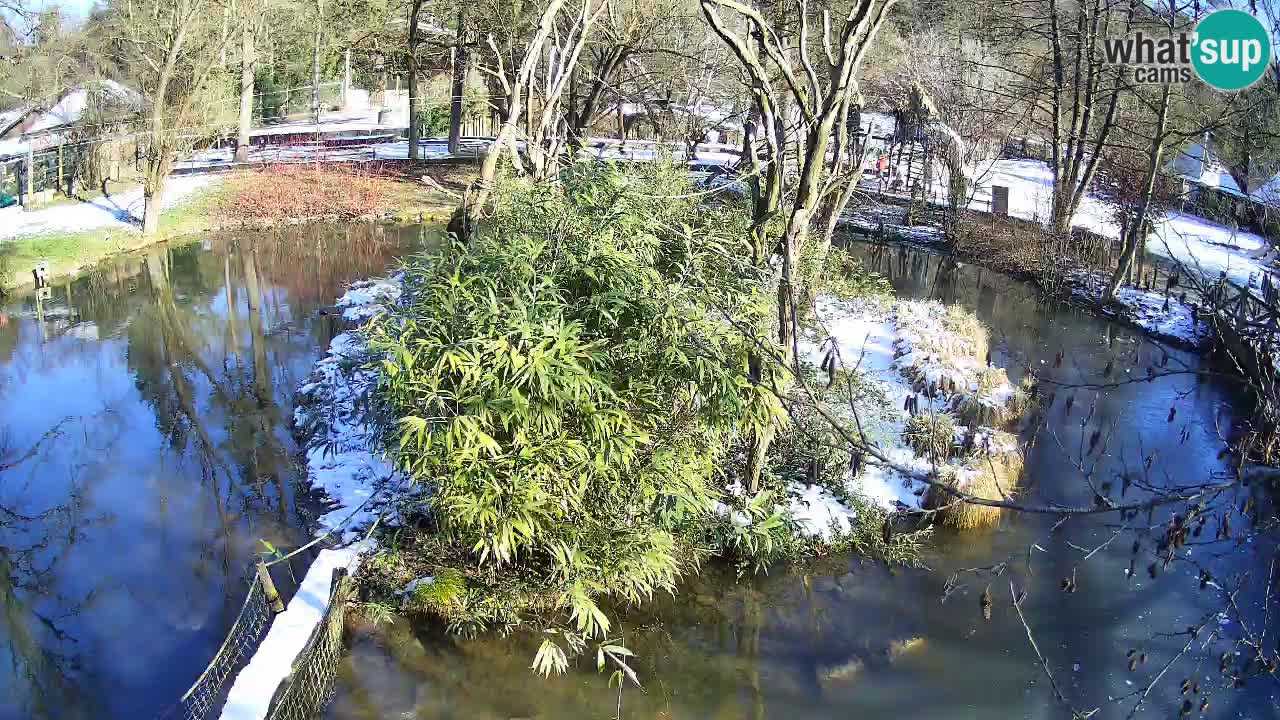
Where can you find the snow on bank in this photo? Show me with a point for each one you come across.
(1195, 242)
(366, 298)
(892, 347)
(121, 212)
(1161, 316)
(332, 413)
(1210, 249)
(342, 465)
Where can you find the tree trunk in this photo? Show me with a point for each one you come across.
(315, 65)
(415, 9)
(247, 62)
(459, 88)
(156, 173)
(1138, 232)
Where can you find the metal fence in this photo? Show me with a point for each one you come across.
(54, 169)
(295, 103)
(307, 689)
(304, 694)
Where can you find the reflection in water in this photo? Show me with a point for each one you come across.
(145, 449)
(833, 639)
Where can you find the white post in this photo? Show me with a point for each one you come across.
(346, 80)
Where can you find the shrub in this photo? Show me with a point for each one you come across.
(283, 192)
(568, 386)
(843, 275)
(931, 435)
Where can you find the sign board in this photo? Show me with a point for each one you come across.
(1000, 200)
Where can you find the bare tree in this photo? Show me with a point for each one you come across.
(250, 18)
(823, 102)
(171, 50)
(823, 99)
(514, 92)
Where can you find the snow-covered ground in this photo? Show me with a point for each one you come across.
(121, 212)
(891, 347)
(1210, 249)
(1160, 315)
(1193, 241)
(343, 465)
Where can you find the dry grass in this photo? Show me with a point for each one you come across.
(286, 192)
(1029, 250)
(282, 193)
(970, 329)
(1024, 397)
(931, 435)
(973, 412)
(989, 477)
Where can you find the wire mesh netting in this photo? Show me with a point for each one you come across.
(310, 684)
(296, 103)
(208, 692)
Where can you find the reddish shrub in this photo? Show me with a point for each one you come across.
(282, 192)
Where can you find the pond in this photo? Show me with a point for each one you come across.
(145, 452)
(842, 637)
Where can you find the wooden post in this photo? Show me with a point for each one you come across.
(31, 176)
(59, 183)
(269, 588)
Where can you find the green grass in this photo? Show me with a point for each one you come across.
(70, 252)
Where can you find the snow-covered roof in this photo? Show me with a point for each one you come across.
(71, 107)
(9, 117)
(1195, 164)
(12, 148)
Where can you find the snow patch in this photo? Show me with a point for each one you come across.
(818, 512)
(887, 345)
(121, 212)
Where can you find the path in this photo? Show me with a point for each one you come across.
(121, 211)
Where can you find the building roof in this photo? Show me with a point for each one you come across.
(70, 107)
(1197, 165)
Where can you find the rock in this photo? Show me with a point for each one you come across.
(843, 672)
(899, 648)
(416, 583)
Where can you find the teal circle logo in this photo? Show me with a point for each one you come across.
(1232, 49)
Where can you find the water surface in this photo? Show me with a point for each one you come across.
(146, 450)
(843, 638)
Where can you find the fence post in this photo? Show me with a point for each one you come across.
(346, 79)
(269, 588)
(31, 171)
(60, 175)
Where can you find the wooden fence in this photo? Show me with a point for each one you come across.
(1247, 323)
